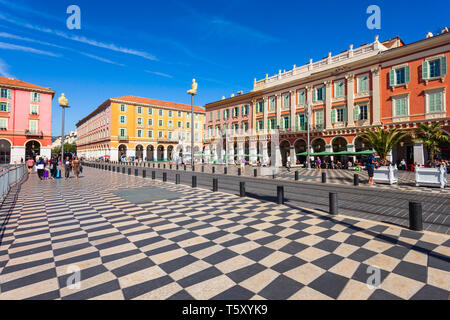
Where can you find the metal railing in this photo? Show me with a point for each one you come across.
(9, 177)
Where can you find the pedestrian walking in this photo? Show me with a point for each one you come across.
(76, 165)
(67, 168)
(40, 165)
(30, 165)
(288, 163)
(318, 164)
(371, 167)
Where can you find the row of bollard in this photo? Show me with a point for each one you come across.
(415, 208)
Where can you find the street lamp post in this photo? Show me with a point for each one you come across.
(63, 103)
(192, 92)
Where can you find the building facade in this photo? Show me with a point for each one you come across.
(25, 120)
(386, 84)
(69, 138)
(142, 128)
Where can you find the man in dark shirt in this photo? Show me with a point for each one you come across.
(371, 167)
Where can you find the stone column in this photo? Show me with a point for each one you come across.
(329, 148)
(292, 155)
(278, 108)
(240, 151)
(328, 107)
(155, 154)
(265, 152)
(231, 152)
(144, 154)
(207, 154)
(350, 99)
(376, 99)
(293, 105)
(266, 113)
(253, 150)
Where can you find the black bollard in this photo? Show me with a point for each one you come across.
(144, 174)
(215, 185)
(242, 189)
(170, 167)
(164, 165)
(194, 181)
(153, 175)
(177, 178)
(280, 195)
(129, 171)
(324, 177)
(333, 203)
(123, 170)
(136, 172)
(164, 176)
(213, 169)
(193, 167)
(184, 167)
(273, 175)
(239, 171)
(203, 168)
(153, 165)
(415, 216)
(159, 165)
(177, 167)
(356, 179)
(114, 169)
(255, 172)
(296, 175)
(225, 170)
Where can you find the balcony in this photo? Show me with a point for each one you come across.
(124, 138)
(34, 134)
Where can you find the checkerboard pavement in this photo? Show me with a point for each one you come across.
(202, 245)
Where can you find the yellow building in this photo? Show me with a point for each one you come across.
(142, 128)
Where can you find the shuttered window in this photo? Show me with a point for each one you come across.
(435, 102)
(339, 89)
(401, 107)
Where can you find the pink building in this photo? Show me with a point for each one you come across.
(25, 120)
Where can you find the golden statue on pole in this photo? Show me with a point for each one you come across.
(193, 91)
(63, 102)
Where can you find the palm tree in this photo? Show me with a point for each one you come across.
(383, 141)
(431, 136)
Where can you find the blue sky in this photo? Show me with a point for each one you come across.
(154, 48)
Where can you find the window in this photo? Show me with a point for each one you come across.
(188, 125)
(399, 76)
(400, 107)
(139, 110)
(123, 108)
(259, 125)
(361, 112)
(139, 133)
(236, 112)
(180, 114)
(150, 111)
(244, 126)
(188, 115)
(272, 104)
(5, 107)
(3, 124)
(218, 115)
(339, 115)
(226, 113)
(33, 126)
(35, 97)
(123, 119)
(260, 107)
(170, 113)
(161, 123)
(160, 134)
(285, 122)
(235, 128)
(161, 113)
(122, 132)
(170, 135)
(301, 122)
(180, 124)
(319, 94)
(6, 93)
(286, 101)
(150, 122)
(339, 89)
(363, 84)
(34, 109)
(272, 124)
(140, 121)
(301, 97)
(150, 133)
(318, 118)
(245, 109)
(435, 102)
(210, 116)
(196, 125)
(170, 123)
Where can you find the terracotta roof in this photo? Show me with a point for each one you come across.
(22, 84)
(173, 105)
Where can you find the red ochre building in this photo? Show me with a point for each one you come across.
(389, 84)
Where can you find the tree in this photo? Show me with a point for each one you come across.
(68, 148)
(383, 141)
(432, 136)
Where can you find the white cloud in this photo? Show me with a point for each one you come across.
(95, 43)
(4, 69)
(16, 37)
(101, 59)
(9, 46)
(159, 74)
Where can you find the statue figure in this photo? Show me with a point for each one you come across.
(193, 91)
(63, 102)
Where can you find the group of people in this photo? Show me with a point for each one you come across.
(52, 168)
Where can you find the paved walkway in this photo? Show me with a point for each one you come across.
(134, 238)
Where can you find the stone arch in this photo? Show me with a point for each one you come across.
(5, 151)
(300, 146)
(122, 151)
(318, 145)
(285, 149)
(339, 144)
(160, 153)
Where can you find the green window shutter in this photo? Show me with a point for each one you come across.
(9, 94)
(315, 94)
(323, 93)
(345, 114)
(443, 66)
(333, 116)
(356, 113)
(407, 74)
(438, 105)
(8, 107)
(425, 70)
(392, 78)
